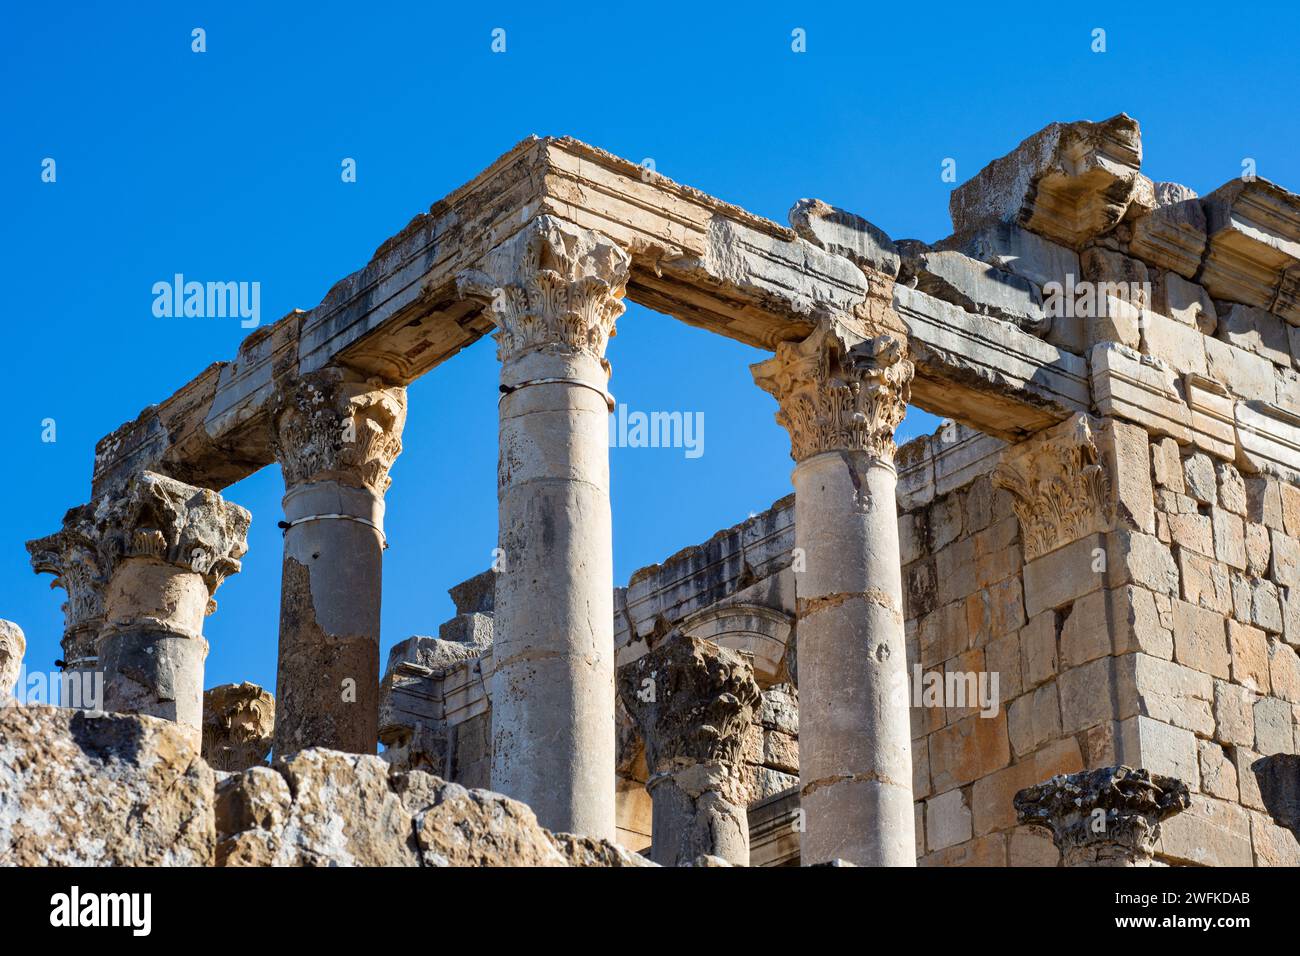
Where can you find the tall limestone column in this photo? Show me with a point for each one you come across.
(841, 397)
(554, 292)
(693, 701)
(336, 435)
(165, 547)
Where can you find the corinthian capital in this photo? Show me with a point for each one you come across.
(72, 556)
(1105, 817)
(166, 520)
(337, 425)
(692, 701)
(237, 724)
(1059, 484)
(552, 285)
(838, 391)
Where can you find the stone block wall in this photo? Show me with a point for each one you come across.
(1151, 625)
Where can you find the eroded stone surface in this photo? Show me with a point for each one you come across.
(1105, 817)
(238, 720)
(111, 790)
(13, 644)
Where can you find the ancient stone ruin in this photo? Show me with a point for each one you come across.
(1062, 630)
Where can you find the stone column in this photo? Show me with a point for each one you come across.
(841, 397)
(237, 724)
(1105, 817)
(554, 292)
(693, 701)
(336, 435)
(166, 547)
(73, 558)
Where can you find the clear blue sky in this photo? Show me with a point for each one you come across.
(225, 166)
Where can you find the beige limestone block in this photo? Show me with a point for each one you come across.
(1033, 719)
(1245, 374)
(1087, 694)
(1218, 774)
(1167, 465)
(1205, 582)
(1229, 538)
(1180, 346)
(1274, 726)
(1273, 845)
(1249, 649)
(1163, 748)
(1234, 714)
(106, 790)
(1210, 833)
(1185, 302)
(1199, 639)
(1068, 182)
(992, 795)
(1165, 691)
(947, 820)
(1284, 672)
(1258, 331)
(969, 749)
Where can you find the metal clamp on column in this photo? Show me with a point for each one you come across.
(286, 525)
(609, 399)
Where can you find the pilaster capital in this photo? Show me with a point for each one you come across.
(237, 723)
(692, 701)
(165, 520)
(334, 424)
(839, 391)
(1103, 817)
(1060, 486)
(551, 286)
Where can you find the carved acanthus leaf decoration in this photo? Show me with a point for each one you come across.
(839, 391)
(551, 286)
(1060, 487)
(334, 424)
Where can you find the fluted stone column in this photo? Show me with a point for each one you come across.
(165, 547)
(841, 397)
(693, 702)
(1105, 817)
(554, 292)
(336, 435)
(73, 558)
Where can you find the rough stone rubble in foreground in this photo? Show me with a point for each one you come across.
(1079, 598)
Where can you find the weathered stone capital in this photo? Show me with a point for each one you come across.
(692, 702)
(168, 521)
(13, 644)
(1060, 486)
(838, 391)
(552, 286)
(1105, 817)
(238, 720)
(337, 425)
(72, 556)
